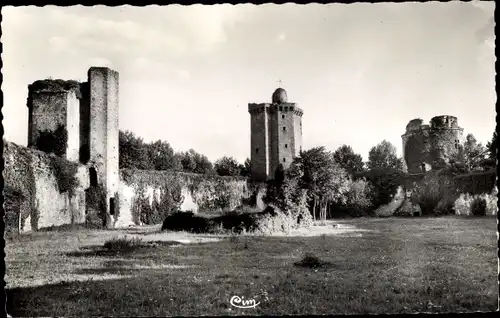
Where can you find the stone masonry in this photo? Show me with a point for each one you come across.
(89, 114)
(427, 147)
(276, 135)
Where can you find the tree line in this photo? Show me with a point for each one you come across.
(135, 153)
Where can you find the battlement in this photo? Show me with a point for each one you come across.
(444, 121)
(256, 108)
(437, 122)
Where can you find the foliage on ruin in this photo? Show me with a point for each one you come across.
(55, 85)
(476, 182)
(96, 206)
(65, 174)
(53, 141)
(19, 175)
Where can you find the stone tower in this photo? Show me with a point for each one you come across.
(427, 147)
(54, 105)
(276, 135)
(88, 113)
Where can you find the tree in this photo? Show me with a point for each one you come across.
(161, 156)
(474, 153)
(245, 168)
(347, 159)
(227, 166)
(193, 162)
(133, 152)
(492, 147)
(324, 180)
(383, 156)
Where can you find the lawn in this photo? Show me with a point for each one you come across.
(397, 265)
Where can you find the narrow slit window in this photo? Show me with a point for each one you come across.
(284, 128)
(282, 116)
(286, 145)
(284, 159)
(256, 150)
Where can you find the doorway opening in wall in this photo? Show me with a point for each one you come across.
(112, 206)
(93, 177)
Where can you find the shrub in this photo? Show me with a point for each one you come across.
(311, 261)
(187, 221)
(123, 244)
(478, 207)
(435, 194)
(476, 183)
(357, 200)
(384, 184)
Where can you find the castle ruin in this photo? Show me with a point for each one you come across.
(276, 135)
(427, 147)
(87, 114)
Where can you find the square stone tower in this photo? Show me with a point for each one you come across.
(54, 109)
(276, 135)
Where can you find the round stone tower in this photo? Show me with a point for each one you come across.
(432, 146)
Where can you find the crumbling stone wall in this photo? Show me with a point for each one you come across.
(29, 174)
(143, 191)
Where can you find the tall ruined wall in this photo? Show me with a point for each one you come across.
(259, 141)
(33, 199)
(431, 145)
(148, 192)
(103, 130)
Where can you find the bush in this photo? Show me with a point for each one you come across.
(123, 244)
(311, 261)
(384, 184)
(187, 221)
(358, 199)
(478, 207)
(435, 194)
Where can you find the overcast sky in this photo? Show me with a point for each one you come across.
(360, 72)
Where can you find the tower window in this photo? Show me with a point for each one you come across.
(284, 159)
(256, 150)
(284, 128)
(282, 116)
(286, 145)
(281, 109)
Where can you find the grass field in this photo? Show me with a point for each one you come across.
(397, 265)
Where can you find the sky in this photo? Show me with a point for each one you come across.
(359, 71)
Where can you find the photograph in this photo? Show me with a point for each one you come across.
(249, 159)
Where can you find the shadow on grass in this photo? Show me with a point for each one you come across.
(99, 250)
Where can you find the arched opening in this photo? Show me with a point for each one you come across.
(112, 206)
(93, 177)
